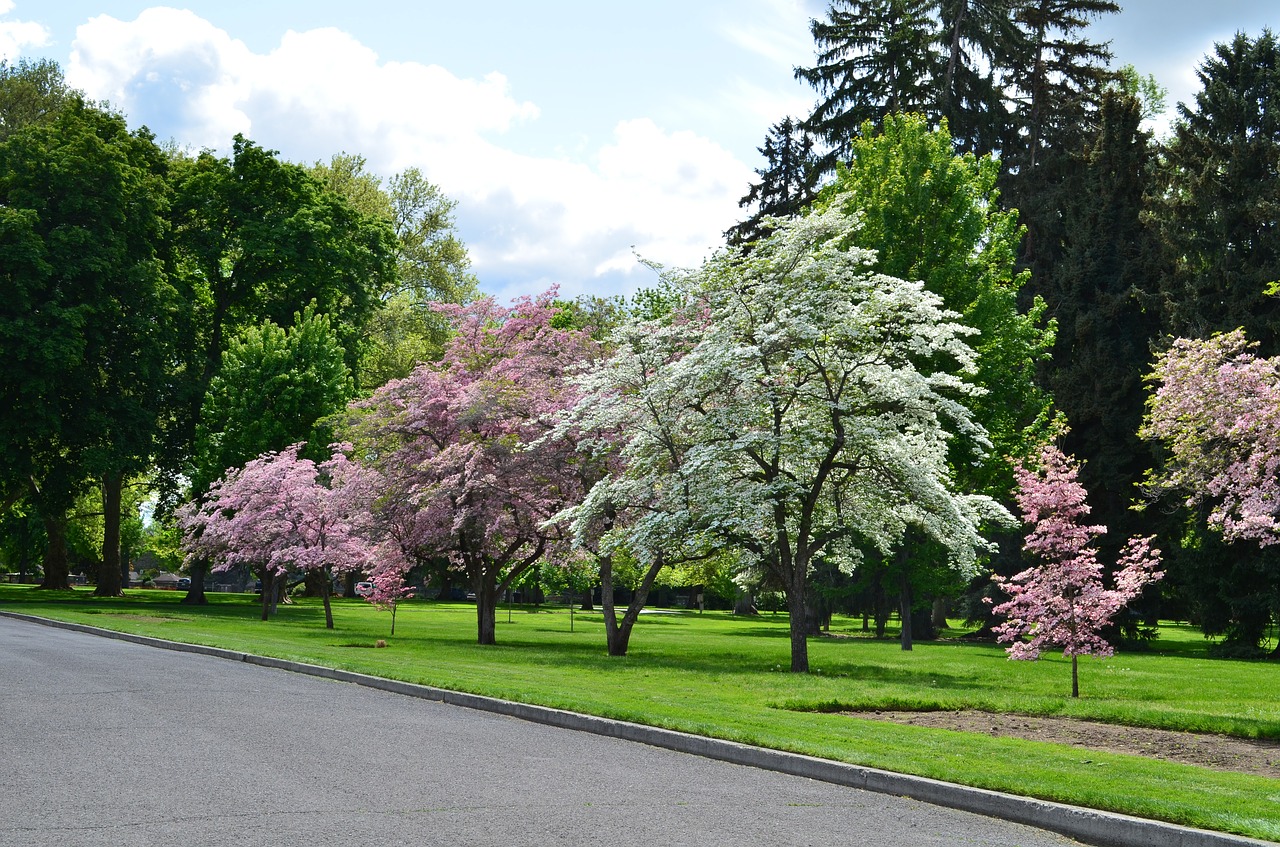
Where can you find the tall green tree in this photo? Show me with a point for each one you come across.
(1103, 295)
(31, 91)
(934, 216)
(1056, 79)
(432, 265)
(84, 323)
(874, 58)
(260, 239)
(1225, 196)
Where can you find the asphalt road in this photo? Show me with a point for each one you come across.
(110, 743)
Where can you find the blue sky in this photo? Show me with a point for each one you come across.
(572, 134)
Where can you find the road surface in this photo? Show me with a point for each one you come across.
(110, 743)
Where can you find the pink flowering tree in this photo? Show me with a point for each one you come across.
(1061, 602)
(1217, 411)
(464, 446)
(281, 512)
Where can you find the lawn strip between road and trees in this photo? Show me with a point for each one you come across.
(727, 677)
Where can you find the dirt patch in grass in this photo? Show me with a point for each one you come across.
(1220, 752)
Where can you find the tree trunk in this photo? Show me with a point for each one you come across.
(328, 607)
(618, 633)
(615, 641)
(109, 576)
(57, 574)
(939, 615)
(195, 594)
(587, 605)
(904, 605)
(486, 608)
(1075, 676)
(268, 592)
(798, 625)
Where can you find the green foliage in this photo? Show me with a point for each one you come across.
(1104, 295)
(1225, 196)
(31, 91)
(259, 239)
(274, 388)
(432, 265)
(933, 216)
(1147, 90)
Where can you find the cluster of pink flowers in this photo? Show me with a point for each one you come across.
(1061, 601)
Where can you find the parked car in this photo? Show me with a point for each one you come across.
(364, 589)
(184, 582)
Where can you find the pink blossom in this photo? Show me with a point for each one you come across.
(1061, 601)
(1217, 410)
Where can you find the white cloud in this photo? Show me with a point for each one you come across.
(528, 220)
(16, 36)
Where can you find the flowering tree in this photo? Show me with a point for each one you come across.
(281, 512)
(461, 447)
(1061, 602)
(788, 409)
(1217, 410)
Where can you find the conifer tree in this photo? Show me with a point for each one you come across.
(874, 58)
(1225, 161)
(1102, 296)
(788, 182)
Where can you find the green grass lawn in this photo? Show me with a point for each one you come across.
(727, 677)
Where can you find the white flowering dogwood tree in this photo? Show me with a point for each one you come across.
(795, 405)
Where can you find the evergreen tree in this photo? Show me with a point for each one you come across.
(788, 182)
(1224, 214)
(1102, 297)
(977, 37)
(1057, 81)
(875, 57)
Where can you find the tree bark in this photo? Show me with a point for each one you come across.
(486, 608)
(57, 574)
(939, 614)
(195, 594)
(799, 626)
(618, 633)
(328, 607)
(109, 576)
(268, 592)
(1075, 676)
(904, 605)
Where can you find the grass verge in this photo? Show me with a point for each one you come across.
(726, 677)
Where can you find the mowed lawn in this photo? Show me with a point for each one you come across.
(718, 675)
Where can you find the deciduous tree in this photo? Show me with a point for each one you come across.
(281, 512)
(791, 409)
(1061, 601)
(461, 444)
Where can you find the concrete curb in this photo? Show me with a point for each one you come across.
(1106, 829)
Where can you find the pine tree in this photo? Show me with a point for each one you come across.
(1057, 83)
(976, 39)
(875, 58)
(788, 182)
(1225, 209)
(1102, 297)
